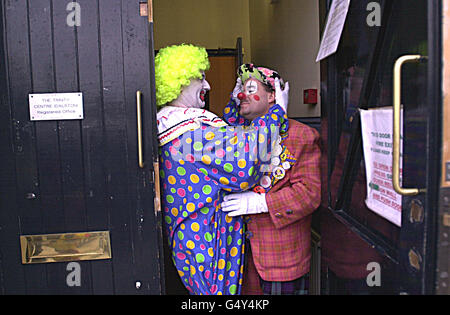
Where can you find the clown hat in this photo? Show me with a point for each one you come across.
(264, 75)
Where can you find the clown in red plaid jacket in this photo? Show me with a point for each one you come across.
(279, 228)
(280, 239)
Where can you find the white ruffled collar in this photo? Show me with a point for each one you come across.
(173, 121)
(170, 116)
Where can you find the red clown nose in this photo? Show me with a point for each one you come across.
(241, 96)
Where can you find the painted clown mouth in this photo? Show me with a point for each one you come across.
(203, 95)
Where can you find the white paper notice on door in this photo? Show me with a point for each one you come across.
(377, 135)
(333, 29)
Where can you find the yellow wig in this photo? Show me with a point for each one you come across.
(175, 67)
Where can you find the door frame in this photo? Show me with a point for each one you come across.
(425, 277)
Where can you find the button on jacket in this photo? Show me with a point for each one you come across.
(280, 242)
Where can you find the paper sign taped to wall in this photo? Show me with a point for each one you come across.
(56, 106)
(333, 29)
(377, 136)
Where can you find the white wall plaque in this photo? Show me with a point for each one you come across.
(56, 106)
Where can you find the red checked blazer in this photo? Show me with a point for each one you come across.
(280, 240)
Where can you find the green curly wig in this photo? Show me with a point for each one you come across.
(175, 66)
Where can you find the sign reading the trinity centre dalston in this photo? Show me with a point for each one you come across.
(56, 106)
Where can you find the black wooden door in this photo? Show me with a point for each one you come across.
(361, 76)
(64, 176)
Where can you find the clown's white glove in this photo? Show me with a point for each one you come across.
(244, 203)
(282, 96)
(237, 89)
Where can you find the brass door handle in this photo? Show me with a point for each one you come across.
(396, 125)
(139, 129)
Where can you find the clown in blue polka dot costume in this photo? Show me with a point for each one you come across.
(202, 159)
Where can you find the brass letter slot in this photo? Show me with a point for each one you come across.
(49, 248)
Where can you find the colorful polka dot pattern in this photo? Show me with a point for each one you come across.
(233, 118)
(207, 245)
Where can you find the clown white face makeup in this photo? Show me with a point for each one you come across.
(257, 100)
(194, 94)
(251, 87)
